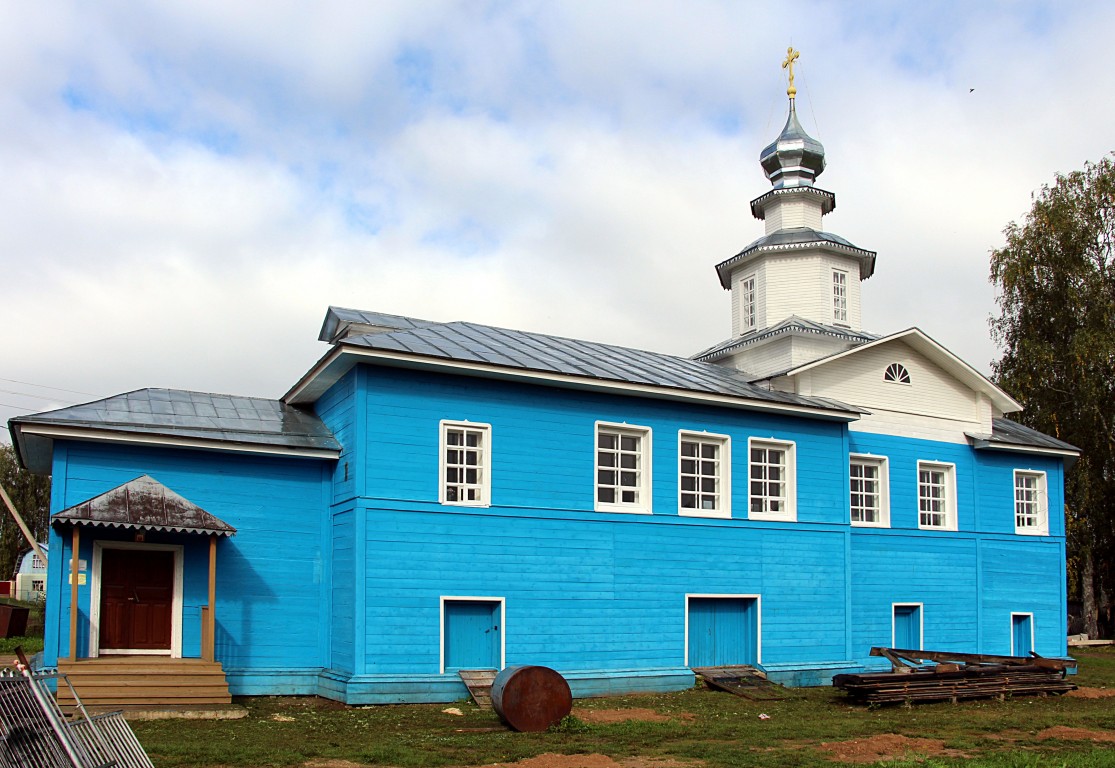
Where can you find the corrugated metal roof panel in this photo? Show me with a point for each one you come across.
(1007, 432)
(199, 415)
(473, 343)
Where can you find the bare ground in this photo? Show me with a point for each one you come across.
(886, 746)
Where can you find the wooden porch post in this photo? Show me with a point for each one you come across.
(211, 624)
(76, 547)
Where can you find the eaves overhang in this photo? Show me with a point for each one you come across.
(792, 327)
(343, 358)
(34, 442)
(795, 240)
(983, 442)
(759, 204)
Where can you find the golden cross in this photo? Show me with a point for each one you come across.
(788, 64)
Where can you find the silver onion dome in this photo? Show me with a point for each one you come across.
(795, 158)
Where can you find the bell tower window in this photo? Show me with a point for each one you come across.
(839, 296)
(747, 303)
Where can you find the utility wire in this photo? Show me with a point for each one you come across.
(52, 398)
(45, 386)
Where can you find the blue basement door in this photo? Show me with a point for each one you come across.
(907, 627)
(723, 631)
(1022, 634)
(472, 635)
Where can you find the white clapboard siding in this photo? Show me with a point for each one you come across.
(784, 212)
(934, 405)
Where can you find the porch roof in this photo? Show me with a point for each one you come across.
(143, 504)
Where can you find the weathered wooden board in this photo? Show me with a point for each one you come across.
(744, 681)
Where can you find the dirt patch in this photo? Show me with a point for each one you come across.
(1092, 693)
(886, 746)
(551, 760)
(332, 764)
(633, 713)
(1075, 734)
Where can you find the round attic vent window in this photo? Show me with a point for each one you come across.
(897, 373)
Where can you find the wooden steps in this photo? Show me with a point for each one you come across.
(133, 683)
(479, 684)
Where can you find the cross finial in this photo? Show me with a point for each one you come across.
(788, 64)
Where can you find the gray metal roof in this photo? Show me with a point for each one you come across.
(173, 413)
(144, 504)
(796, 238)
(1006, 433)
(759, 204)
(340, 321)
(792, 324)
(482, 344)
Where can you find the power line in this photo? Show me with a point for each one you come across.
(40, 397)
(17, 407)
(46, 386)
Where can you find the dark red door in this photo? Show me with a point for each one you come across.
(137, 593)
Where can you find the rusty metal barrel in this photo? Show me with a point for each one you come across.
(531, 698)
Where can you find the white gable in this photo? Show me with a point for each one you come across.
(943, 400)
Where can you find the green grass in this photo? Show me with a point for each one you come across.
(30, 645)
(716, 728)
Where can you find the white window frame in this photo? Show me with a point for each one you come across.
(643, 505)
(723, 478)
(949, 497)
(897, 373)
(748, 302)
(921, 624)
(839, 296)
(789, 514)
(884, 489)
(1030, 615)
(1041, 527)
(485, 467)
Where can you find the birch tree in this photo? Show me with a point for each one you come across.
(1056, 294)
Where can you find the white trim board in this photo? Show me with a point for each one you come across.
(475, 599)
(758, 619)
(336, 364)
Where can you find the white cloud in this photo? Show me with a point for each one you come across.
(188, 185)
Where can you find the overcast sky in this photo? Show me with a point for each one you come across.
(186, 186)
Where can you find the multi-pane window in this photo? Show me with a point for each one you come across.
(622, 468)
(771, 480)
(868, 490)
(839, 296)
(465, 463)
(37, 563)
(1030, 504)
(936, 496)
(747, 303)
(704, 480)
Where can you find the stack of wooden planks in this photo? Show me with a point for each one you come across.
(955, 676)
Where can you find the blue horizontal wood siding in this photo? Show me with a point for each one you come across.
(269, 575)
(589, 594)
(549, 435)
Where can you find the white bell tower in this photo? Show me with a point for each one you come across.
(795, 290)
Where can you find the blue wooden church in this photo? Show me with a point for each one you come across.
(438, 496)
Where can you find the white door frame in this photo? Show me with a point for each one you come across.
(758, 619)
(95, 599)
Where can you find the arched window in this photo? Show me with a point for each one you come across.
(897, 372)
